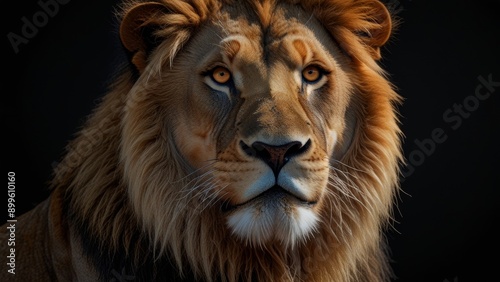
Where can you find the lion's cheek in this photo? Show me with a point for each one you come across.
(196, 146)
(331, 140)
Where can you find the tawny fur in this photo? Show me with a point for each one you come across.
(125, 180)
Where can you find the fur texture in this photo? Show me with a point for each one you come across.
(164, 177)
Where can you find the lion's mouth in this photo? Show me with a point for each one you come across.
(274, 193)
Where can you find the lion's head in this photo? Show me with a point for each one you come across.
(251, 139)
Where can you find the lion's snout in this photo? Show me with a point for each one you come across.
(275, 156)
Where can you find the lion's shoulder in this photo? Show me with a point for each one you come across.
(26, 250)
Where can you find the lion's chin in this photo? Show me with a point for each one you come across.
(274, 217)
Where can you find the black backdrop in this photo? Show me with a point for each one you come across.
(440, 56)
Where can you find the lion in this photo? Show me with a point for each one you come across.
(253, 140)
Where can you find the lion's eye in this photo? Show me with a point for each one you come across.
(221, 75)
(312, 74)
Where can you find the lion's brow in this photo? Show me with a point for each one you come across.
(231, 46)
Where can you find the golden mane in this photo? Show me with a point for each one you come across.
(119, 228)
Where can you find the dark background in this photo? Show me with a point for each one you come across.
(446, 216)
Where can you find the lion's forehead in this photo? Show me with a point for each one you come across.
(271, 37)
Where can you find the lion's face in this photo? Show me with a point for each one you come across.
(260, 113)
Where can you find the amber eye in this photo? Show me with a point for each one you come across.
(221, 75)
(311, 74)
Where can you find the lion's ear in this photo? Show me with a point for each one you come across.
(137, 31)
(379, 31)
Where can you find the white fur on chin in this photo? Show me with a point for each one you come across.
(259, 224)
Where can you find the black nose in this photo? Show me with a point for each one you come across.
(275, 156)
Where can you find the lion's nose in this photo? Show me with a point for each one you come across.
(275, 156)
